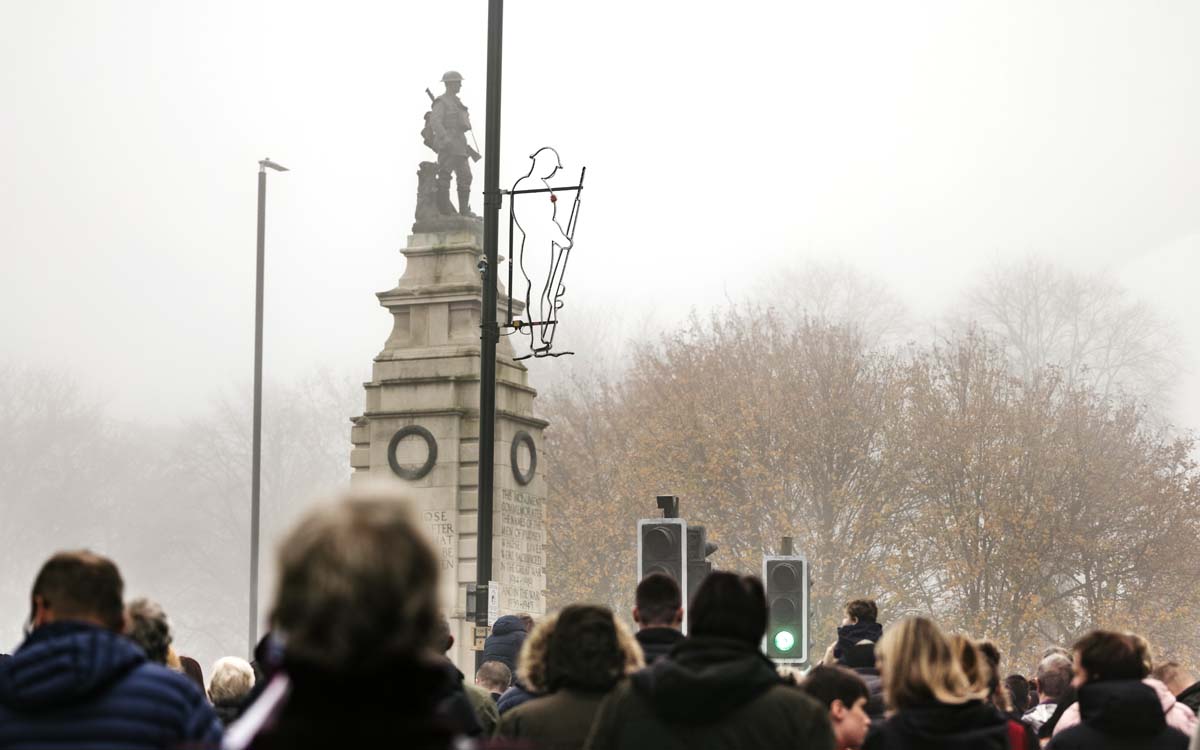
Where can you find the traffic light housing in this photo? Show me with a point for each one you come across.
(785, 578)
(698, 567)
(662, 548)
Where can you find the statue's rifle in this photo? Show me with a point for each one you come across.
(471, 152)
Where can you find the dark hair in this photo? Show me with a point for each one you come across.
(149, 628)
(526, 620)
(494, 674)
(1018, 690)
(584, 651)
(729, 606)
(82, 584)
(658, 599)
(192, 669)
(863, 610)
(829, 683)
(1110, 656)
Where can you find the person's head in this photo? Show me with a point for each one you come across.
(917, 666)
(149, 628)
(191, 668)
(658, 602)
(974, 664)
(527, 620)
(862, 610)
(443, 639)
(1104, 655)
(1054, 675)
(357, 586)
(729, 606)
(845, 695)
(493, 676)
(583, 647)
(1017, 688)
(1176, 678)
(231, 680)
(80, 586)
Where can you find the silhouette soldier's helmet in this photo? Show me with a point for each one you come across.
(452, 75)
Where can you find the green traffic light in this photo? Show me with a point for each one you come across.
(784, 640)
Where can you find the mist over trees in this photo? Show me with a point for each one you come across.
(1010, 475)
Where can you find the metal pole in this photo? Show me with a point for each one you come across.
(256, 451)
(490, 332)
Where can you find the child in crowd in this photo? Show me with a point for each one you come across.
(845, 695)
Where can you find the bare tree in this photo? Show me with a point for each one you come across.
(1085, 325)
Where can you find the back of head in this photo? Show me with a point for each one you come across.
(585, 650)
(974, 664)
(1174, 676)
(1018, 691)
(232, 679)
(1054, 675)
(729, 606)
(863, 610)
(1106, 655)
(494, 675)
(149, 628)
(830, 683)
(917, 666)
(658, 600)
(82, 585)
(192, 669)
(357, 585)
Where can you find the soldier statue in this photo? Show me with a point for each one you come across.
(445, 132)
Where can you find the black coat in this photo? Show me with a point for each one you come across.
(513, 697)
(394, 706)
(1190, 697)
(504, 643)
(1119, 715)
(710, 694)
(974, 725)
(657, 642)
(79, 686)
(849, 635)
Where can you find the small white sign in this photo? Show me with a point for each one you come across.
(493, 603)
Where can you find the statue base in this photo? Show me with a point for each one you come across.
(447, 223)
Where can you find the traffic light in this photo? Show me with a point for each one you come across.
(662, 548)
(698, 567)
(786, 580)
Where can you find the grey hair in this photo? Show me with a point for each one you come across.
(149, 628)
(1054, 675)
(232, 678)
(357, 584)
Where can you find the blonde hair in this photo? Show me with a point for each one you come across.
(917, 665)
(232, 678)
(977, 666)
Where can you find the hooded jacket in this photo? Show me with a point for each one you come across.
(710, 693)
(1190, 697)
(504, 643)
(852, 634)
(656, 642)
(79, 686)
(974, 725)
(1175, 713)
(1119, 715)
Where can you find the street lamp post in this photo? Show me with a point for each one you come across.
(256, 450)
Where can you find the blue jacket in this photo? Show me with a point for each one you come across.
(504, 643)
(74, 685)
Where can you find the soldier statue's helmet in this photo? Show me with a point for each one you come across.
(452, 75)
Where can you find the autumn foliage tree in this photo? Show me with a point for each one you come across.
(937, 479)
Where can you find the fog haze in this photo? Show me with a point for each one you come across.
(919, 144)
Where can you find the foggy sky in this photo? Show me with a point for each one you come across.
(919, 142)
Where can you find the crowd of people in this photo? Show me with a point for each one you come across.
(356, 658)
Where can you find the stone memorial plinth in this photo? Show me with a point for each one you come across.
(421, 425)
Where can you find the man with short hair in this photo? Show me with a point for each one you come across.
(658, 612)
(1180, 682)
(861, 626)
(715, 689)
(77, 682)
(494, 677)
(845, 695)
(1054, 675)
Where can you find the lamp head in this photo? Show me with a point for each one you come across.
(265, 164)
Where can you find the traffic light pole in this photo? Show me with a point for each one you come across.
(490, 330)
